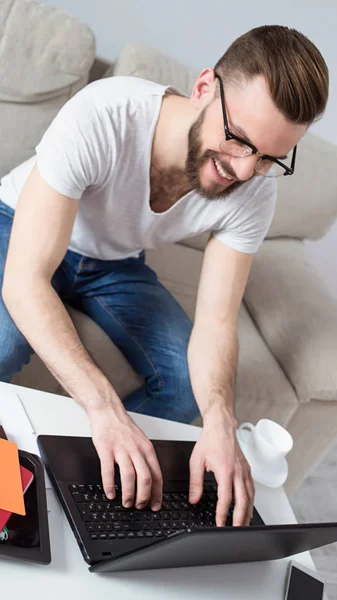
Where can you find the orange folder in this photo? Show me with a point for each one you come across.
(11, 495)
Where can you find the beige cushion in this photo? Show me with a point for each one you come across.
(296, 316)
(140, 60)
(306, 201)
(262, 388)
(46, 56)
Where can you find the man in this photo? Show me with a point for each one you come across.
(128, 165)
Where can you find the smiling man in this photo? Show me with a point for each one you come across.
(128, 165)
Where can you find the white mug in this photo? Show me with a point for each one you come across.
(265, 446)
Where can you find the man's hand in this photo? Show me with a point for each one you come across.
(217, 450)
(118, 439)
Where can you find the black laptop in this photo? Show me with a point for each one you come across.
(113, 538)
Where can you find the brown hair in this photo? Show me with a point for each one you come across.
(295, 70)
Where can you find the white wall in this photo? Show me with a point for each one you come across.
(198, 32)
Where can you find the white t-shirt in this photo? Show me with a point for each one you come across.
(98, 150)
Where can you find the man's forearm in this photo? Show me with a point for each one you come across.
(43, 320)
(212, 360)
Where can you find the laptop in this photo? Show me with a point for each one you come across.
(113, 538)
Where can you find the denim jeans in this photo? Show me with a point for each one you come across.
(125, 298)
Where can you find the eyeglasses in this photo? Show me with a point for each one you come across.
(268, 166)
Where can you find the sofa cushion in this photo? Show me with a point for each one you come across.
(306, 202)
(46, 56)
(297, 317)
(140, 60)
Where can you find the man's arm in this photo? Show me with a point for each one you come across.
(40, 235)
(212, 358)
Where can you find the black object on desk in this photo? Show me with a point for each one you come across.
(28, 536)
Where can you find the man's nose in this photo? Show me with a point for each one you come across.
(245, 167)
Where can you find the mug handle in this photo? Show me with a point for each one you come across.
(248, 426)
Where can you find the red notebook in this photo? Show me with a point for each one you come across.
(26, 479)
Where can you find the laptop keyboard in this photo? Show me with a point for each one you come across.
(108, 519)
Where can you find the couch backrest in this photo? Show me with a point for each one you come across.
(307, 201)
(46, 55)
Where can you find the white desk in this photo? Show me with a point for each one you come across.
(68, 577)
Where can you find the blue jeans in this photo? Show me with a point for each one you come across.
(125, 298)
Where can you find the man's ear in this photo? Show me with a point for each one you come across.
(204, 88)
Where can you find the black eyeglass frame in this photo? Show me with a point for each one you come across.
(231, 136)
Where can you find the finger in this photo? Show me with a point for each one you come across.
(241, 502)
(197, 472)
(157, 480)
(107, 471)
(225, 495)
(144, 481)
(251, 495)
(128, 479)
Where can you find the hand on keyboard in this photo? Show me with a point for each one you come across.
(118, 439)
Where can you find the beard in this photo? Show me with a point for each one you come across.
(196, 159)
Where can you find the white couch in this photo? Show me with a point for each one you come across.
(288, 320)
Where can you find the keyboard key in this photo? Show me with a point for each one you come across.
(167, 497)
(103, 536)
(104, 517)
(140, 534)
(95, 517)
(99, 527)
(81, 488)
(148, 534)
(125, 517)
(90, 527)
(93, 536)
(159, 534)
(121, 536)
(131, 534)
(112, 536)
(86, 516)
(108, 526)
(73, 488)
(78, 497)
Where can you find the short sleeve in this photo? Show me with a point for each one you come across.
(250, 223)
(74, 153)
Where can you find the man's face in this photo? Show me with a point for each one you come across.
(250, 109)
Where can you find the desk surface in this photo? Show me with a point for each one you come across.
(68, 577)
